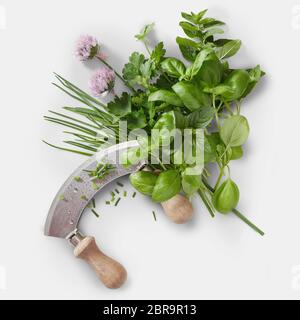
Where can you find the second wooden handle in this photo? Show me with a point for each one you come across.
(109, 271)
(178, 209)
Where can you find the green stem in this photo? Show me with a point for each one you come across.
(216, 112)
(219, 178)
(238, 107)
(249, 223)
(206, 202)
(228, 108)
(147, 48)
(158, 159)
(117, 74)
(226, 149)
(166, 76)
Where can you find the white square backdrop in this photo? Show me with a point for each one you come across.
(207, 259)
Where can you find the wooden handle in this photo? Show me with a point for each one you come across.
(109, 271)
(178, 209)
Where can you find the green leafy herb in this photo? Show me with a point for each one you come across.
(201, 118)
(191, 95)
(136, 120)
(167, 185)
(157, 54)
(139, 70)
(121, 106)
(226, 197)
(201, 90)
(255, 75)
(173, 67)
(131, 70)
(229, 49)
(143, 181)
(188, 48)
(166, 96)
(145, 31)
(101, 171)
(238, 82)
(190, 183)
(234, 131)
(194, 68)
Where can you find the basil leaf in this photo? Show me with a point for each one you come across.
(196, 66)
(238, 81)
(167, 121)
(224, 154)
(212, 32)
(221, 42)
(120, 106)
(226, 69)
(164, 83)
(133, 155)
(191, 95)
(173, 67)
(236, 153)
(229, 49)
(166, 96)
(194, 17)
(165, 125)
(220, 90)
(201, 118)
(226, 197)
(189, 29)
(189, 49)
(211, 71)
(210, 147)
(255, 75)
(167, 185)
(210, 22)
(181, 121)
(190, 184)
(143, 181)
(234, 131)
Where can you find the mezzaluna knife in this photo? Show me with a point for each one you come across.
(71, 200)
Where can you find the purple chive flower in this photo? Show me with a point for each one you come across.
(87, 47)
(102, 81)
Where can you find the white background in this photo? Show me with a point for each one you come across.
(206, 259)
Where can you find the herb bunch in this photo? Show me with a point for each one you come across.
(200, 91)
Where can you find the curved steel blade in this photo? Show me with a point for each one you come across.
(78, 190)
